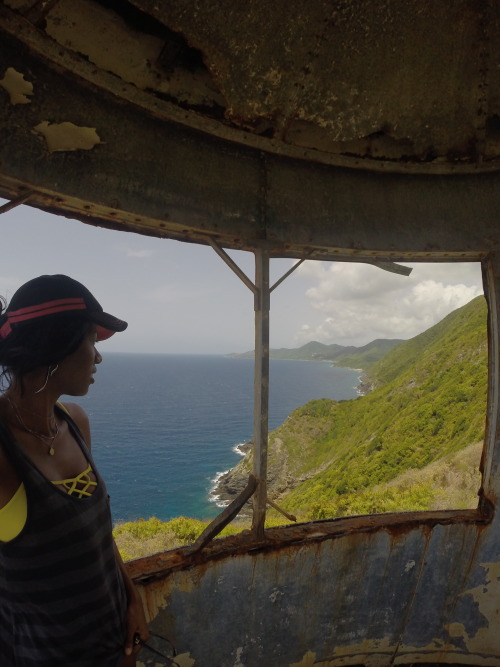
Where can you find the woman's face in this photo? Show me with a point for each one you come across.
(75, 373)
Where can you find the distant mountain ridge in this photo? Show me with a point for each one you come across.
(342, 355)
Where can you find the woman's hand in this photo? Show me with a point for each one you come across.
(137, 628)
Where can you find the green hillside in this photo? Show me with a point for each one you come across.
(431, 402)
(365, 357)
(334, 458)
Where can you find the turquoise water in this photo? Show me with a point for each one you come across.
(164, 426)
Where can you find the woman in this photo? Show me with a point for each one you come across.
(65, 598)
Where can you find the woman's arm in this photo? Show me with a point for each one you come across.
(136, 619)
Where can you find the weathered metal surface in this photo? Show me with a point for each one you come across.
(404, 592)
(332, 75)
(354, 132)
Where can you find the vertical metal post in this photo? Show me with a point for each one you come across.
(491, 451)
(261, 389)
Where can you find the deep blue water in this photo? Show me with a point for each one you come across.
(164, 426)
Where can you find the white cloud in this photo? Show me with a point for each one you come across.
(358, 303)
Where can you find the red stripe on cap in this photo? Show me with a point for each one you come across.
(5, 330)
(47, 308)
(48, 304)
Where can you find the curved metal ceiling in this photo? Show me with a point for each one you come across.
(362, 129)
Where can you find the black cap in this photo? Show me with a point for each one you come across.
(53, 295)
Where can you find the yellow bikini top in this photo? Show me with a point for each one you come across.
(79, 485)
(13, 515)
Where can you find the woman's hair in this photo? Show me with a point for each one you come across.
(40, 343)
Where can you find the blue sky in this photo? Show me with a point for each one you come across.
(182, 298)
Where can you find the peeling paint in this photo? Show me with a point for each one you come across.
(67, 136)
(486, 595)
(112, 45)
(409, 565)
(238, 662)
(184, 660)
(17, 86)
(275, 595)
(307, 661)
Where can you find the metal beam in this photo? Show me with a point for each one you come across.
(261, 389)
(232, 265)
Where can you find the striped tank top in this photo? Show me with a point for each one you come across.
(62, 597)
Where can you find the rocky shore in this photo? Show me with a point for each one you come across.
(232, 483)
(279, 479)
(365, 386)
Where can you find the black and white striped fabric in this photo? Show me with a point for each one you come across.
(62, 597)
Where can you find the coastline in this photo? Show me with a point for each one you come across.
(365, 386)
(228, 484)
(222, 491)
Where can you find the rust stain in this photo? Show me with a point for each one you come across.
(158, 566)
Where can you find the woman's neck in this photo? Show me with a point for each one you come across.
(30, 410)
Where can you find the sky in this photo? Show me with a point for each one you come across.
(181, 298)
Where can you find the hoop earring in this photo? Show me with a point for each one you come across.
(50, 372)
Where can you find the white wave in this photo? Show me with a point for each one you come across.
(213, 497)
(238, 449)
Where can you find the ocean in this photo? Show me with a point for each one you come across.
(165, 426)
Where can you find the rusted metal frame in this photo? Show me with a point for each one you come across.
(392, 267)
(12, 23)
(261, 377)
(261, 390)
(281, 510)
(232, 265)
(159, 565)
(15, 202)
(262, 291)
(225, 517)
(491, 284)
(294, 267)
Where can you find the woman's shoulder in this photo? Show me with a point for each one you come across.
(80, 417)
